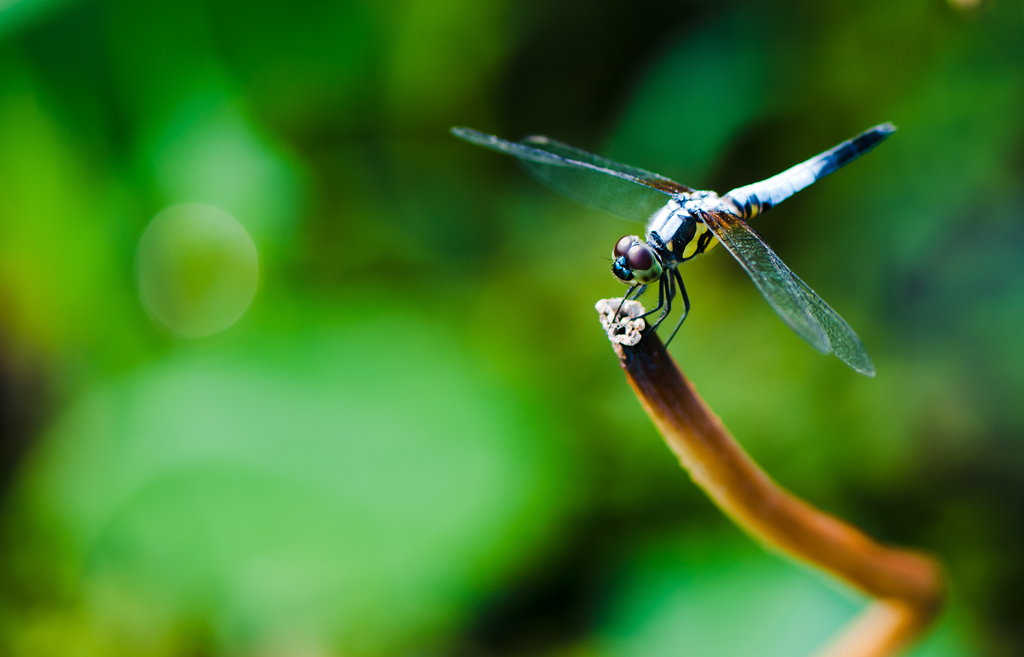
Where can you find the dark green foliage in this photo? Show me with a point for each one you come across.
(416, 441)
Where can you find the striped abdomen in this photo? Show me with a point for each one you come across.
(753, 199)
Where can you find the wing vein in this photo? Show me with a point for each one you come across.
(620, 189)
(797, 304)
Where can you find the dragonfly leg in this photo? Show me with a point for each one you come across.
(686, 306)
(661, 299)
(626, 296)
(669, 294)
(643, 288)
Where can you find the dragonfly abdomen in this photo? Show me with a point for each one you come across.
(751, 200)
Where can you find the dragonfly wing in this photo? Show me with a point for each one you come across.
(796, 303)
(584, 177)
(843, 342)
(643, 176)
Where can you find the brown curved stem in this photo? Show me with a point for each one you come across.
(907, 585)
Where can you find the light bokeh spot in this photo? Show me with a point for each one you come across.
(197, 268)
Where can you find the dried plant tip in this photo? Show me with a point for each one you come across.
(624, 326)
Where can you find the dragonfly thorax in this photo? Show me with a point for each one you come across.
(677, 231)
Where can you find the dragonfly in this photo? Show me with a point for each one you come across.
(682, 223)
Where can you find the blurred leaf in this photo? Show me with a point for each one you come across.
(327, 480)
(694, 100)
(302, 68)
(442, 53)
(60, 242)
(716, 596)
(208, 152)
(17, 14)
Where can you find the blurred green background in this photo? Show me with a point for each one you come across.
(286, 370)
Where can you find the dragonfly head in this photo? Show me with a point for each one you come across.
(634, 261)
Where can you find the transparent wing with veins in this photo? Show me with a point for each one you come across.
(590, 179)
(797, 304)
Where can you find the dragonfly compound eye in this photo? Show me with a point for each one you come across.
(643, 263)
(622, 246)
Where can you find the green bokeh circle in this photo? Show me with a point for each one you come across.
(197, 269)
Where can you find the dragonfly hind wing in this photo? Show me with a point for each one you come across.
(797, 304)
(626, 191)
(843, 342)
